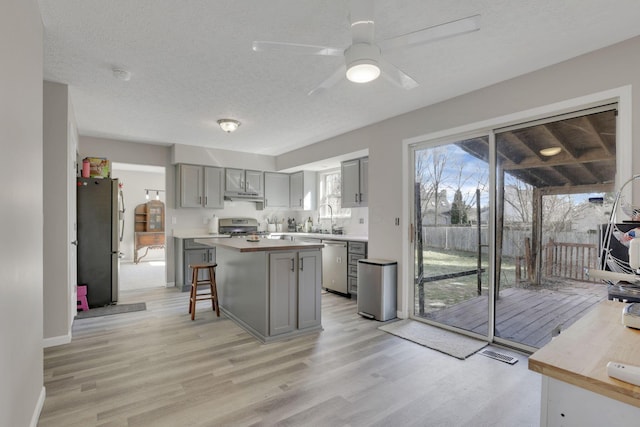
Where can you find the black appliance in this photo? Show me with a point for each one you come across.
(98, 217)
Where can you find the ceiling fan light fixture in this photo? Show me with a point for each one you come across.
(550, 151)
(363, 71)
(228, 125)
(362, 62)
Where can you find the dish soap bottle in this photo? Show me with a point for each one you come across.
(309, 225)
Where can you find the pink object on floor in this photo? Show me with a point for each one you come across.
(82, 298)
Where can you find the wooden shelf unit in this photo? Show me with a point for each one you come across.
(148, 228)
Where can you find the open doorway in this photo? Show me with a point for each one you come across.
(142, 265)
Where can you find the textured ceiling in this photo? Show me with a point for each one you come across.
(191, 62)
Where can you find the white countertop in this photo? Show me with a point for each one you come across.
(260, 245)
(204, 234)
(195, 234)
(323, 236)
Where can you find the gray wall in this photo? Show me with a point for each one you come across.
(602, 70)
(21, 379)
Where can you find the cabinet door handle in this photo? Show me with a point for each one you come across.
(293, 268)
(356, 198)
(200, 200)
(205, 200)
(301, 264)
(360, 197)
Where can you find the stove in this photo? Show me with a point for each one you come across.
(239, 227)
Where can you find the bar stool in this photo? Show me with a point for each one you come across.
(209, 281)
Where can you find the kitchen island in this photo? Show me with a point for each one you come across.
(576, 390)
(271, 288)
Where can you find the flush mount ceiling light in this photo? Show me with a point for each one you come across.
(121, 74)
(228, 125)
(551, 151)
(362, 62)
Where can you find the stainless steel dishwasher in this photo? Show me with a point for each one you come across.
(334, 266)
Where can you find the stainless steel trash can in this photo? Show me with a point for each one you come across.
(377, 280)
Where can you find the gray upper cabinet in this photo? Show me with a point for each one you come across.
(213, 187)
(302, 188)
(199, 186)
(254, 182)
(240, 181)
(276, 190)
(355, 183)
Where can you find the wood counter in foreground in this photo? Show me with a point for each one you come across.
(576, 388)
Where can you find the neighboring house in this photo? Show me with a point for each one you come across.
(439, 216)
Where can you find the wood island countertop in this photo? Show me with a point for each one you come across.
(579, 355)
(262, 245)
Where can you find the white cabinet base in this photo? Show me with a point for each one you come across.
(566, 405)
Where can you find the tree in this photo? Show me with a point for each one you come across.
(431, 165)
(458, 209)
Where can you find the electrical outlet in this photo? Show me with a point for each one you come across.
(397, 221)
(361, 220)
(174, 220)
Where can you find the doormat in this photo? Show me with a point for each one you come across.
(112, 309)
(447, 342)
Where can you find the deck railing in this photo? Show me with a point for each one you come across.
(563, 260)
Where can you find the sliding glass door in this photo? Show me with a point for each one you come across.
(506, 223)
(551, 203)
(451, 203)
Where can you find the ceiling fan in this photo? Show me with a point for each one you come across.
(364, 61)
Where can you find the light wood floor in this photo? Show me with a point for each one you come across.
(158, 368)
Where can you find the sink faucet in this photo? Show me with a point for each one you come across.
(330, 217)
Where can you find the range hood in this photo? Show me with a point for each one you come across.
(238, 196)
(243, 196)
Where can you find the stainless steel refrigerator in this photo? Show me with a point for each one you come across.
(98, 239)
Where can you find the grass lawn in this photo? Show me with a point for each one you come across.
(447, 292)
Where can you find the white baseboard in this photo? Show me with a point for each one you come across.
(38, 409)
(401, 315)
(171, 284)
(54, 341)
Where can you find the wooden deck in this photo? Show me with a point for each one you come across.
(527, 316)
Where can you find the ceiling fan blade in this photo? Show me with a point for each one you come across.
(361, 19)
(431, 34)
(296, 48)
(396, 76)
(331, 81)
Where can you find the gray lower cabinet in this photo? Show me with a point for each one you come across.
(188, 252)
(309, 283)
(282, 292)
(294, 291)
(355, 251)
